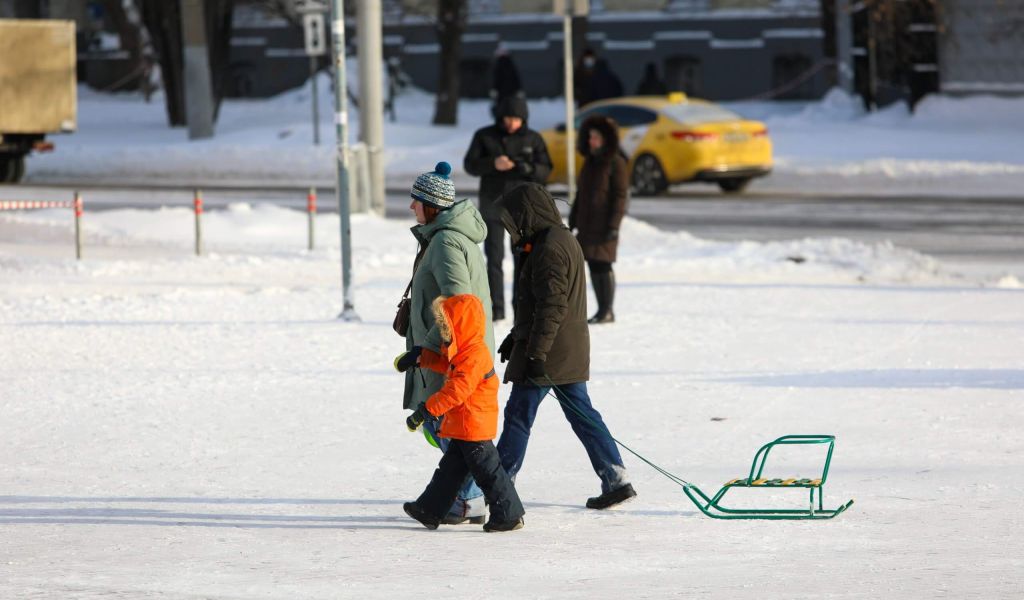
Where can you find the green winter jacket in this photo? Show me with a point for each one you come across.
(452, 264)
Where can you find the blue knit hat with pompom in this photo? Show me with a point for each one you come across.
(435, 188)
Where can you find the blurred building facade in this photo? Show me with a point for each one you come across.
(718, 49)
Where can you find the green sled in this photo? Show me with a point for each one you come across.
(712, 506)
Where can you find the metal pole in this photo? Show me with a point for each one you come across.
(197, 207)
(348, 310)
(78, 225)
(311, 211)
(570, 103)
(371, 103)
(316, 102)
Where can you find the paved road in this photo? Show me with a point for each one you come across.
(969, 232)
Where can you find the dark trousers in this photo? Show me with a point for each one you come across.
(481, 460)
(599, 267)
(494, 249)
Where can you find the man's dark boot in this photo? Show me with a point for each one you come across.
(610, 499)
(604, 289)
(492, 527)
(413, 510)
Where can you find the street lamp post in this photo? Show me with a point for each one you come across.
(348, 310)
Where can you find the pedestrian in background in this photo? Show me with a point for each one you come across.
(651, 84)
(504, 155)
(448, 263)
(604, 83)
(505, 82)
(549, 346)
(583, 72)
(468, 403)
(602, 197)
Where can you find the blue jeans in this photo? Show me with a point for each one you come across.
(521, 410)
(469, 489)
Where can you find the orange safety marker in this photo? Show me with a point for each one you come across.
(78, 206)
(311, 212)
(197, 206)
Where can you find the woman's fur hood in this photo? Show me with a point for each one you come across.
(608, 130)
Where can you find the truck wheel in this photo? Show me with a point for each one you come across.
(12, 168)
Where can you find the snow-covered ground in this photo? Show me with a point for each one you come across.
(950, 146)
(181, 427)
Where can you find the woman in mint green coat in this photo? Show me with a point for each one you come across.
(449, 263)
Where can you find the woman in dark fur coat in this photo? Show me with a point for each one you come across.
(601, 199)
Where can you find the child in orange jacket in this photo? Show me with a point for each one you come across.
(469, 402)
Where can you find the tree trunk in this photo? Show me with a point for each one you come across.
(828, 27)
(451, 23)
(218, 35)
(131, 42)
(163, 20)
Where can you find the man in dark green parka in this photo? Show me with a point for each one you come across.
(549, 346)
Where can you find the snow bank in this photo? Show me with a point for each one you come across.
(379, 243)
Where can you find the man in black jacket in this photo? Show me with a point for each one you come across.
(549, 346)
(504, 155)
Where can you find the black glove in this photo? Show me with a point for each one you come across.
(408, 360)
(505, 349)
(535, 370)
(416, 419)
(612, 235)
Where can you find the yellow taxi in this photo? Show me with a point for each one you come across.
(674, 139)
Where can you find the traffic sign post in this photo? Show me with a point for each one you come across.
(316, 45)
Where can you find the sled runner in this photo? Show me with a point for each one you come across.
(712, 507)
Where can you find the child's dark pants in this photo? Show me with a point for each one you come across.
(481, 460)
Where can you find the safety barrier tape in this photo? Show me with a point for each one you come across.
(31, 204)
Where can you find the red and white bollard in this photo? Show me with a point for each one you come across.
(311, 211)
(77, 205)
(197, 206)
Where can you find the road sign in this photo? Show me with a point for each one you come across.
(579, 8)
(313, 26)
(305, 6)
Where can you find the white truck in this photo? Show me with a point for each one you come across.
(38, 94)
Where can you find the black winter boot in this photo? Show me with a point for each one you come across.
(610, 499)
(491, 526)
(604, 289)
(413, 510)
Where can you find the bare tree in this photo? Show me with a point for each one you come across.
(163, 21)
(451, 23)
(131, 36)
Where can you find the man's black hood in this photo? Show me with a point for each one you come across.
(512, 106)
(526, 210)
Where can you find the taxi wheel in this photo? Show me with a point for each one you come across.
(734, 185)
(648, 176)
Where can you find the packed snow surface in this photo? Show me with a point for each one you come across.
(205, 427)
(948, 146)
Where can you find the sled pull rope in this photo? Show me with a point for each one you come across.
(558, 393)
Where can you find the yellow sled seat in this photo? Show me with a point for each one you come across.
(793, 482)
